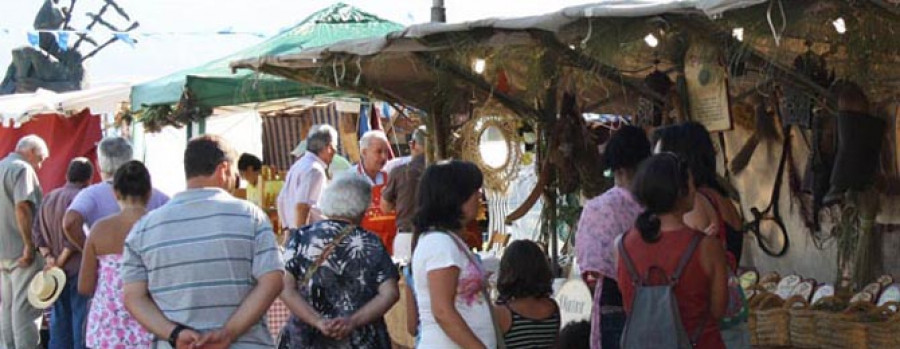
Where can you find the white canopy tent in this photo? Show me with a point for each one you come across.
(19, 108)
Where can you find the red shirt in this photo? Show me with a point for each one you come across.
(693, 289)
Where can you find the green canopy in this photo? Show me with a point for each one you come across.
(213, 84)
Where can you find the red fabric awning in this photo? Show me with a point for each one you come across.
(66, 137)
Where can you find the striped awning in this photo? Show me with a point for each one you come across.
(282, 133)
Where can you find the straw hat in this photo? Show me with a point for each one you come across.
(46, 287)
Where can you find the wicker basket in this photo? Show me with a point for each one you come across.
(883, 334)
(802, 324)
(752, 305)
(844, 330)
(751, 326)
(772, 322)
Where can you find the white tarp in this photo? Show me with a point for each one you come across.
(242, 130)
(163, 152)
(19, 108)
(406, 40)
(641, 8)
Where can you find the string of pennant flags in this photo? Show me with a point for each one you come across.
(63, 36)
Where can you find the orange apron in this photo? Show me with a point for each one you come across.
(376, 221)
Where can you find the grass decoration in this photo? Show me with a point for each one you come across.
(156, 117)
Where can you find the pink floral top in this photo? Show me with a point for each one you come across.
(603, 220)
(109, 325)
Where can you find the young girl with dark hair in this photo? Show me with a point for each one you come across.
(664, 187)
(109, 325)
(448, 278)
(527, 315)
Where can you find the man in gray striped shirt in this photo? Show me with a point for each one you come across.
(204, 268)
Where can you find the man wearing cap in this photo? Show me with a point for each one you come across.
(400, 193)
(306, 179)
(70, 309)
(20, 196)
(374, 151)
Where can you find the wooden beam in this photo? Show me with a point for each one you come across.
(890, 9)
(785, 74)
(590, 64)
(442, 65)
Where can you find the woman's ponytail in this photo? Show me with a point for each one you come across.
(648, 224)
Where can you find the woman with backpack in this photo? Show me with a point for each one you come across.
(663, 260)
(714, 213)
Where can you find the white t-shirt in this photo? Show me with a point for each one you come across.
(438, 251)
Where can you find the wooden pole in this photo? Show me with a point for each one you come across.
(550, 106)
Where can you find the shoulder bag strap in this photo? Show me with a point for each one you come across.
(629, 264)
(498, 333)
(714, 203)
(325, 253)
(686, 257)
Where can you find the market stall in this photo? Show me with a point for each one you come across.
(760, 75)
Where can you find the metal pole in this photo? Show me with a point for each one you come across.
(438, 12)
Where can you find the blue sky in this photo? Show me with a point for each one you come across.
(193, 22)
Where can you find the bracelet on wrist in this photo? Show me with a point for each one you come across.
(173, 336)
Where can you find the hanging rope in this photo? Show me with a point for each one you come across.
(588, 13)
(358, 71)
(777, 34)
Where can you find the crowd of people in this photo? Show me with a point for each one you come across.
(202, 268)
(666, 222)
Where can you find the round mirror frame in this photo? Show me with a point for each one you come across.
(495, 178)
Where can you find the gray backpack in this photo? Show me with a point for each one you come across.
(654, 321)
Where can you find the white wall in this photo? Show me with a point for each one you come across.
(755, 186)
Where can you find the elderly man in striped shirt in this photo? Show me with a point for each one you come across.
(203, 269)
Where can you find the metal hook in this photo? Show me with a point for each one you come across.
(588, 13)
(358, 71)
(337, 82)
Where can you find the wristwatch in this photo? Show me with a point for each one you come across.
(173, 336)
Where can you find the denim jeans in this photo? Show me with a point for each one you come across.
(68, 317)
(611, 328)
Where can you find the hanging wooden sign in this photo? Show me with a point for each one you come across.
(707, 86)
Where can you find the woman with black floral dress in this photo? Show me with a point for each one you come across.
(351, 283)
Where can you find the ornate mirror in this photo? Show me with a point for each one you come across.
(491, 141)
